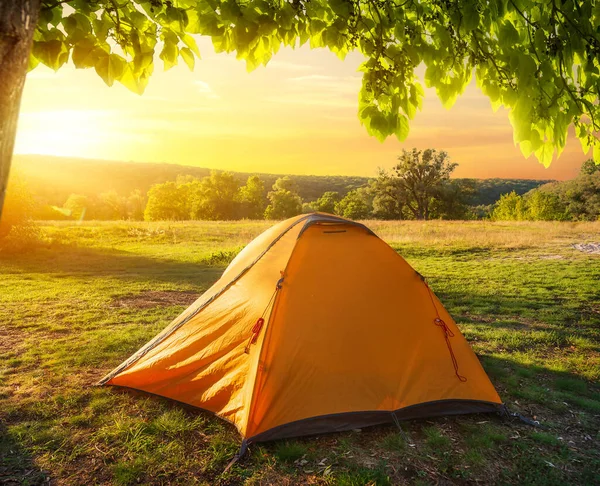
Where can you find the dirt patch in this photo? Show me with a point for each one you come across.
(155, 298)
(11, 341)
(593, 248)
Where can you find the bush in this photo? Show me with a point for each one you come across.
(18, 232)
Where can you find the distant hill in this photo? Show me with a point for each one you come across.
(53, 179)
(490, 190)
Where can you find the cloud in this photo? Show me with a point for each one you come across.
(204, 89)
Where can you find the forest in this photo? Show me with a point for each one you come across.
(78, 189)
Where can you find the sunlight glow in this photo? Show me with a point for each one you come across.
(297, 115)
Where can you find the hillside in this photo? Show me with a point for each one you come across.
(53, 179)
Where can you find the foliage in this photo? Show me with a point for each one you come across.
(284, 201)
(577, 199)
(417, 181)
(19, 205)
(580, 197)
(53, 179)
(136, 203)
(111, 206)
(18, 231)
(46, 179)
(326, 203)
(488, 191)
(214, 197)
(536, 206)
(252, 198)
(538, 58)
(77, 205)
(219, 195)
(386, 204)
(544, 206)
(510, 207)
(357, 204)
(454, 200)
(166, 202)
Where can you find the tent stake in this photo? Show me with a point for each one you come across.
(238, 456)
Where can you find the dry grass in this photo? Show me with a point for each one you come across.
(487, 234)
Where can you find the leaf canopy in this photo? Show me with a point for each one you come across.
(539, 58)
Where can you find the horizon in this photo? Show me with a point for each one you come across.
(297, 116)
(282, 174)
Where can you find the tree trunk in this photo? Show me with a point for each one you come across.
(18, 20)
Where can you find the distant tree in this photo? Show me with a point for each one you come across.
(579, 197)
(136, 203)
(252, 198)
(417, 182)
(582, 196)
(167, 201)
(510, 207)
(215, 197)
(80, 206)
(309, 207)
(111, 206)
(356, 204)
(452, 200)
(284, 201)
(544, 206)
(589, 167)
(326, 203)
(386, 203)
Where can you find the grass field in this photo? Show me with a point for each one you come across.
(74, 308)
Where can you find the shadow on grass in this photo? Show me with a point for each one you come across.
(510, 312)
(72, 261)
(16, 464)
(549, 389)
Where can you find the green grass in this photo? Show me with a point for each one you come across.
(93, 293)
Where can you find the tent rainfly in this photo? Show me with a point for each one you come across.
(316, 326)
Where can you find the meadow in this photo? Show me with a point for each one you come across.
(73, 308)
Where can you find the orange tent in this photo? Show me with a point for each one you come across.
(316, 326)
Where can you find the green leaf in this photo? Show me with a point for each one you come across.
(597, 152)
(540, 40)
(110, 67)
(545, 153)
(188, 56)
(85, 55)
(509, 36)
(169, 55)
(189, 41)
(403, 128)
(102, 25)
(470, 17)
(527, 69)
(341, 7)
(52, 53)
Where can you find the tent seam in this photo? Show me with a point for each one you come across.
(307, 224)
(253, 397)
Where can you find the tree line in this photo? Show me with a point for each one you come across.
(574, 200)
(418, 187)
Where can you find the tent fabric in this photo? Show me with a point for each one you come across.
(349, 339)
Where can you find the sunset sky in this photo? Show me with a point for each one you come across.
(297, 116)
